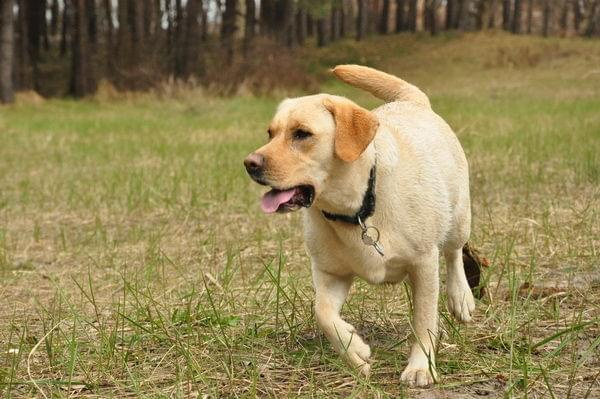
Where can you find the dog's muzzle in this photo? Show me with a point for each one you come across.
(255, 165)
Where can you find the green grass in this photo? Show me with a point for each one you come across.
(134, 260)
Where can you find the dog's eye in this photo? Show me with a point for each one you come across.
(270, 133)
(301, 134)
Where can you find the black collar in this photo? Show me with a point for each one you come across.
(367, 208)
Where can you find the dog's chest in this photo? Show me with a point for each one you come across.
(368, 264)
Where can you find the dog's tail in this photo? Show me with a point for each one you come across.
(473, 264)
(382, 85)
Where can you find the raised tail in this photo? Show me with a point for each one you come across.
(382, 85)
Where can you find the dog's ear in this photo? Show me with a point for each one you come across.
(355, 128)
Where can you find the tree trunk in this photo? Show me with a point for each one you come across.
(228, 30)
(110, 65)
(451, 14)
(92, 21)
(463, 15)
(147, 17)
(44, 25)
(178, 38)
(6, 52)
(82, 81)
(65, 28)
(546, 28)
(136, 27)
(482, 11)
(492, 18)
(516, 21)
(301, 26)
(170, 25)
(249, 25)
(158, 17)
(506, 13)
(288, 37)
(336, 23)
(529, 16)
(323, 29)
(400, 15)
(204, 25)
(54, 13)
(122, 34)
(22, 66)
(35, 12)
(345, 17)
(373, 16)
(109, 26)
(311, 25)
(457, 13)
(564, 17)
(191, 41)
(384, 22)
(431, 7)
(412, 15)
(577, 15)
(593, 17)
(267, 17)
(361, 20)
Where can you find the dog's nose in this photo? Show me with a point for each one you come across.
(254, 164)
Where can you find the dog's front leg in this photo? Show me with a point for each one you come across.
(331, 292)
(424, 280)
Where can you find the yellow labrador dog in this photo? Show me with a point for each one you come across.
(385, 191)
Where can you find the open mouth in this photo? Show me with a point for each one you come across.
(288, 200)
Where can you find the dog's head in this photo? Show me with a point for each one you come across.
(307, 138)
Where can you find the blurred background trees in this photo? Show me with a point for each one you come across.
(6, 51)
(59, 47)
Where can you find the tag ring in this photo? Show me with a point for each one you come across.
(365, 232)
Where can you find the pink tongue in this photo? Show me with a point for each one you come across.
(272, 199)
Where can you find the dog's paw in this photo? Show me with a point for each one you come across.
(418, 376)
(358, 354)
(461, 302)
(354, 350)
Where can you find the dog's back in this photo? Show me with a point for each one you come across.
(408, 114)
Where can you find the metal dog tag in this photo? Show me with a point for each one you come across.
(378, 247)
(372, 241)
(367, 240)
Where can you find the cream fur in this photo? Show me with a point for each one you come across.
(422, 211)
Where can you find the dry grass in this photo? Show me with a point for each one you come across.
(135, 262)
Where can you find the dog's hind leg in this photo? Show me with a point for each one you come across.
(461, 302)
(331, 292)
